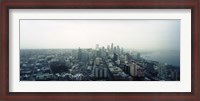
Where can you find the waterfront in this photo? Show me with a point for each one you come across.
(168, 57)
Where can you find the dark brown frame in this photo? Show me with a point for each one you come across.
(194, 5)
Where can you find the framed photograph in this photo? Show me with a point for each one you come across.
(100, 50)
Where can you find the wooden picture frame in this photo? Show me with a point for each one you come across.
(6, 5)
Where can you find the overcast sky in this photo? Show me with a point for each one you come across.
(130, 34)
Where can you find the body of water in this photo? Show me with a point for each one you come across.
(169, 57)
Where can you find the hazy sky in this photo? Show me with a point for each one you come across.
(131, 34)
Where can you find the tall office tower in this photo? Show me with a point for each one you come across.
(115, 50)
(79, 54)
(115, 57)
(97, 46)
(126, 58)
(103, 52)
(133, 69)
(108, 48)
(103, 48)
(112, 47)
(118, 49)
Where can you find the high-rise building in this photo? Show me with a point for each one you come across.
(126, 69)
(103, 52)
(118, 49)
(115, 50)
(115, 57)
(126, 58)
(97, 46)
(133, 69)
(79, 54)
(112, 47)
(108, 48)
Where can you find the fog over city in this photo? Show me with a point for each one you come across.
(100, 50)
(71, 34)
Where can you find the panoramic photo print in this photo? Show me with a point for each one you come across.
(99, 50)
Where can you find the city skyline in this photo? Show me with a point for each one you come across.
(99, 64)
(164, 56)
(71, 34)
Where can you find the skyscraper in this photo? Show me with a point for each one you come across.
(133, 69)
(97, 46)
(118, 49)
(108, 48)
(112, 47)
(79, 54)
